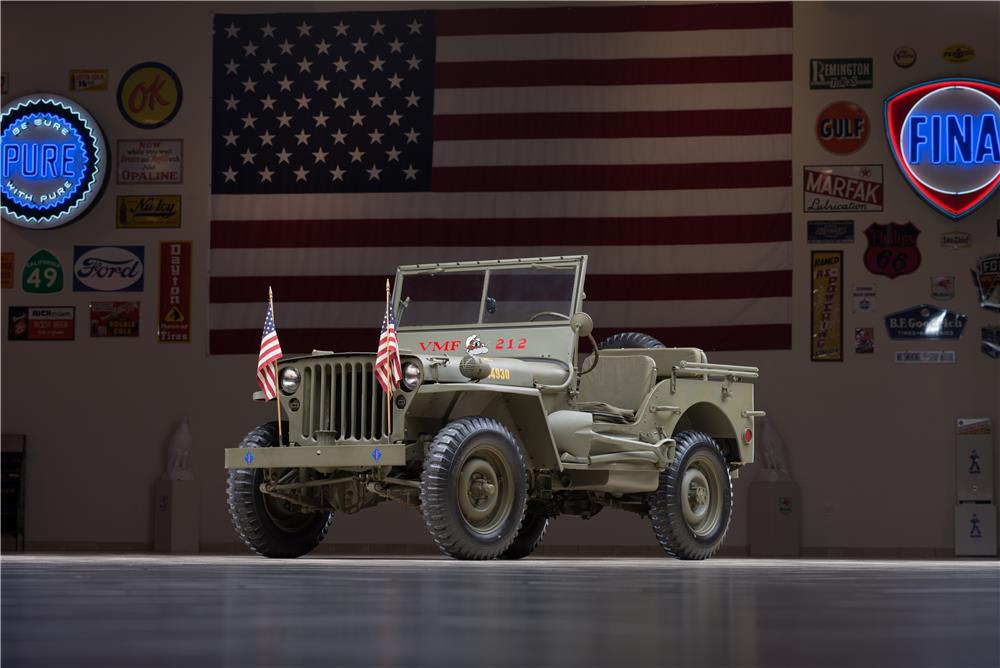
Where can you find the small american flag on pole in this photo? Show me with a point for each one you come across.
(270, 353)
(388, 370)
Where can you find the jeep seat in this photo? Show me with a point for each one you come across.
(616, 387)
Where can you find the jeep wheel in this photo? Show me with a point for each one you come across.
(528, 538)
(692, 507)
(474, 489)
(269, 526)
(629, 340)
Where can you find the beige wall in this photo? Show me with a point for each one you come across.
(871, 441)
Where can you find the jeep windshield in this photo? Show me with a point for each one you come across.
(502, 295)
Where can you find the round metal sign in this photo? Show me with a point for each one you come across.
(55, 161)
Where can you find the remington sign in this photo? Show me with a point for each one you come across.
(839, 73)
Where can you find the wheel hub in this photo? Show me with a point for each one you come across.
(484, 497)
(701, 497)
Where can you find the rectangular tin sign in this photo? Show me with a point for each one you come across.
(81, 80)
(925, 322)
(40, 323)
(840, 188)
(148, 211)
(839, 73)
(827, 306)
(831, 231)
(114, 319)
(925, 356)
(175, 292)
(142, 161)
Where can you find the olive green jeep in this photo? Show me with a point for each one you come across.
(497, 426)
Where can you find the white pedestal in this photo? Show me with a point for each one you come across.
(177, 512)
(975, 530)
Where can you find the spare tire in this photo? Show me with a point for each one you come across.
(629, 340)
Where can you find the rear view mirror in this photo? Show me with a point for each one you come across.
(582, 324)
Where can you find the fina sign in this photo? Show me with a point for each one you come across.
(54, 161)
(945, 137)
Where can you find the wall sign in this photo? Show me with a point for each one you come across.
(80, 80)
(149, 95)
(925, 322)
(6, 270)
(842, 127)
(830, 231)
(864, 340)
(864, 297)
(943, 287)
(839, 188)
(892, 249)
(114, 319)
(904, 56)
(987, 278)
(990, 341)
(175, 292)
(925, 356)
(829, 73)
(827, 303)
(150, 161)
(42, 274)
(945, 138)
(958, 53)
(956, 239)
(143, 211)
(108, 268)
(40, 323)
(54, 161)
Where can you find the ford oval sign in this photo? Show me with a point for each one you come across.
(945, 137)
(108, 268)
(54, 161)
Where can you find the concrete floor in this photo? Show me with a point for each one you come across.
(87, 610)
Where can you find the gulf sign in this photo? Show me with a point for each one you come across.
(945, 137)
(54, 161)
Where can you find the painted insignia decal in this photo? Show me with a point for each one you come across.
(945, 137)
(892, 249)
(475, 346)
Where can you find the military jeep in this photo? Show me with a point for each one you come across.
(497, 426)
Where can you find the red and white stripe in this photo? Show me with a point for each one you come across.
(388, 369)
(270, 353)
(655, 139)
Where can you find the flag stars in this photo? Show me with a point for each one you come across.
(302, 137)
(323, 47)
(339, 101)
(250, 49)
(378, 28)
(356, 154)
(265, 175)
(230, 175)
(249, 85)
(286, 47)
(412, 99)
(320, 155)
(301, 173)
(267, 30)
(267, 102)
(356, 118)
(359, 45)
(358, 82)
(340, 64)
(411, 136)
(375, 137)
(376, 100)
(373, 173)
(283, 156)
(393, 154)
(231, 103)
(377, 63)
(321, 83)
(414, 62)
(341, 29)
(395, 46)
(303, 101)
(285, 84)
(337, 173)
(339, 137)
(415, 27)
(320, 119)
(304, 29)
(395, 80)
(248, 121)
(266, 138)
(283, 120)
(411, 173)
(394, 118)
(248, 156)
(232, 31)
(305, 64)
(267, 66)
(232, 66)
(231, 138)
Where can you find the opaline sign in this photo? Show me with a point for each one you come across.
(945, 137)
(53, 159)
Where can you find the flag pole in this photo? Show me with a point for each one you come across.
(277, 395)
(388, 402)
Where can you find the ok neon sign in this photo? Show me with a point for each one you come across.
(945, 137)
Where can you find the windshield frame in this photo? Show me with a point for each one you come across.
(578, 263)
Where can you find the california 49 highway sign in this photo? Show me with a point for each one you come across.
(945, 137)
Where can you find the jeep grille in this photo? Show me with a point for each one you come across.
(342, 401)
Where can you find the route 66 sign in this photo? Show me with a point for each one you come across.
(892, 249)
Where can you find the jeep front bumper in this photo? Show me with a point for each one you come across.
(323, 457)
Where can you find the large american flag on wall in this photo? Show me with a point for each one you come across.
(656, 139)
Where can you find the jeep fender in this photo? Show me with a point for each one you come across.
(519, 408)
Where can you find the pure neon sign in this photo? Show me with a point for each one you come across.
(945, 137)
(53, 161)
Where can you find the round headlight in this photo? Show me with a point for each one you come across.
(289, 380)
(411, 377)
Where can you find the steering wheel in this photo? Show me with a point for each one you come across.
(541, 313)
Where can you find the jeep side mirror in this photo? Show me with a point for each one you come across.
(491, 305)
(582, 324)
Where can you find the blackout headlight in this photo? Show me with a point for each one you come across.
(411, 377)
(289, 380)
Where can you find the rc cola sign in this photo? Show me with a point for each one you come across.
(108, 268)
(945, 137)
